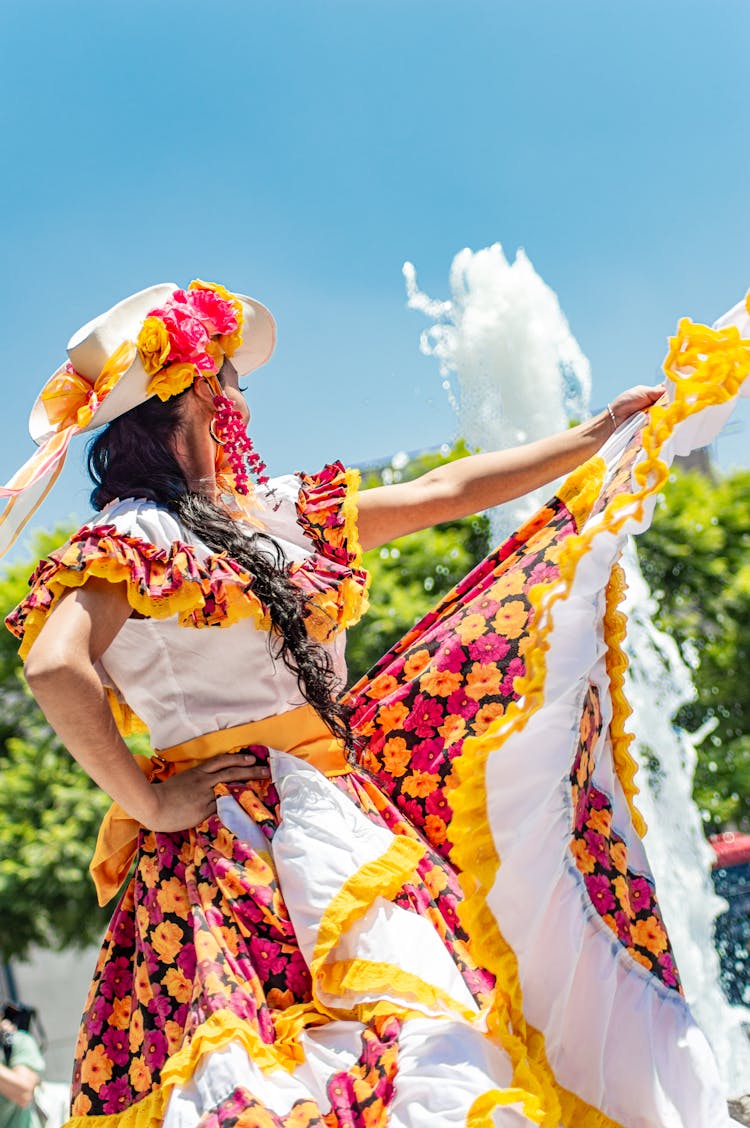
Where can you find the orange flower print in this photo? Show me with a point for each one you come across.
(538, 521)
(650, 934)
(136, 1031)
(622, 893)
(381, 686)
(487, 714)
(510, 620)
(435, 829)
(453, 729)
(143, 990)
(440, 683)
(178, 985)
(471, 628)
(232, 883)
(149, 870)
(436, 880)
(512, 583)
(224, 840)
(280, 1000)
(619, 855)
(207, 947)
(584, 861)
(483, 680)
(140, 1075)
(640, 958)
(81, 1105)
(142, 919)
(395, 756)
(166, 940)
(543, 538)
(173, 897)
(420, 784)
(601, 821)
(120, 1017)
(175, 1035)
(415, 663)
(392, 716)
(231, 939)
(213, 984)
(96, 1068)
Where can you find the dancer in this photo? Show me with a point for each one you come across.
(294, 946)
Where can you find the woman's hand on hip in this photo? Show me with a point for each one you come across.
(187, 798)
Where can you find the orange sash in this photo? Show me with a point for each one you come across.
(301, 732)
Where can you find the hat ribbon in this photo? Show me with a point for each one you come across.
(70, 402)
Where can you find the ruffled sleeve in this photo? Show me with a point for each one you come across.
(332, 576)
(159, 582)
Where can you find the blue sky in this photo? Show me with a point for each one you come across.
(301, 151)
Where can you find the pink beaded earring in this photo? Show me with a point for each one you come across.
(228, 430)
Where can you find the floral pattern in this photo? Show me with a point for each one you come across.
(359, 1097)
(202, 928)
(213, 591)
(453, 674)
(625, 900)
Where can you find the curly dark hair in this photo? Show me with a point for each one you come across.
(133, 457)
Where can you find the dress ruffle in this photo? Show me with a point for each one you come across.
(333, 577)
(310, 955)
(213, 591)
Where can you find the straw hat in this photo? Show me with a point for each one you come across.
(155, 342)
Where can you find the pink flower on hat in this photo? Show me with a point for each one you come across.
(188, 336)
(217, 314)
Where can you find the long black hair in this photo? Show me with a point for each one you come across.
(133, 457)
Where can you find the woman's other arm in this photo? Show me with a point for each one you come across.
(60, 670)
(480, 481)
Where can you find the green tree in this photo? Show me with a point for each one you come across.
(49, 810)
(410, 574)
(695, 558)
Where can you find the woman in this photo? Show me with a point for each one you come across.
(292, 947)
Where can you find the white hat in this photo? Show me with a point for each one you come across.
(110, 370)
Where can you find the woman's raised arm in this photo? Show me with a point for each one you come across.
(480, 481)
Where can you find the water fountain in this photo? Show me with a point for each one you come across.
(514, 372)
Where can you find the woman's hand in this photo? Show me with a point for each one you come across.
(635, 399)
(187, 798)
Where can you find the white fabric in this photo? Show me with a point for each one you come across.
(322, 840)
(613, 1034)
(182, 681)
(443, 1067)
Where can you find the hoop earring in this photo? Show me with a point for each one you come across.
(227, 428)
(214, 436)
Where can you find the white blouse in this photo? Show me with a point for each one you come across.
(187, 679)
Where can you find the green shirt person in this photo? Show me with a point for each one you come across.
(19, 1077)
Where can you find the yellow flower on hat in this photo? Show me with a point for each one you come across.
(172, 380)
(153, 345)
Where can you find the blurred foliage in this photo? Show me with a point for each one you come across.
(50, 810)
(410, 574)
(696, 558)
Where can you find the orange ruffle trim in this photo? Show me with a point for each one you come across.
(706, 367)
(214, 591)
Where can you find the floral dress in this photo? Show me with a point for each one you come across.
(456, 925)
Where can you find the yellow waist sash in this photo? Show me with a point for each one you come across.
(300, 732)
